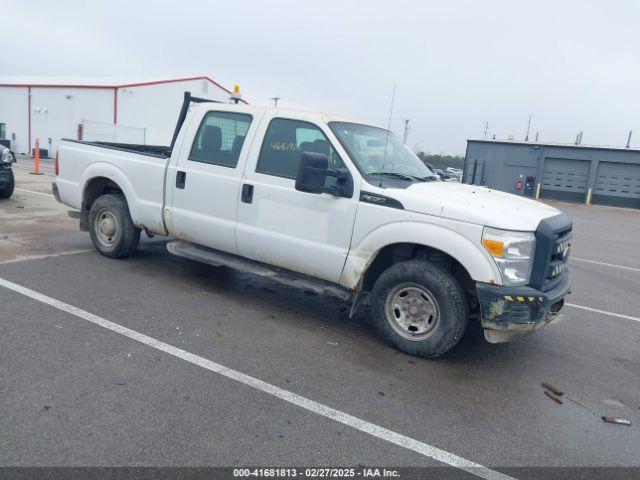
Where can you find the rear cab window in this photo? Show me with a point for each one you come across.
(220, 138)
(284, 142)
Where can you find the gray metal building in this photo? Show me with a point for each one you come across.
(599, 175)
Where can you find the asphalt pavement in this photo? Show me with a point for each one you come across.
(74, 393)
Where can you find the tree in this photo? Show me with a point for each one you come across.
(442, 161)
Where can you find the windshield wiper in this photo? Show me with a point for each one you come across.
(396, 175)
(404, 176)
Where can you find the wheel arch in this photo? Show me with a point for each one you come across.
(102, 179)
(399, 241)
(398, 252)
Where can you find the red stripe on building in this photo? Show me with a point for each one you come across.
(125, 85)
(29, 116)
(30, 86)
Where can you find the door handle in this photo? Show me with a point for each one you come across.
(181, 178)
(247, 193)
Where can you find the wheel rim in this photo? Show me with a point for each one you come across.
(412, 311)
(107, 228)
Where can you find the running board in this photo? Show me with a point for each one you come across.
(287, 277)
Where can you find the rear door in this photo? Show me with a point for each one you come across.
(306, 232)
(205, 180)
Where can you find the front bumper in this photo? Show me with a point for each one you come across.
(512, 313)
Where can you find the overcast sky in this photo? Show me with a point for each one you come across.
(574, 65)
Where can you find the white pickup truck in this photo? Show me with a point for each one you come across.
(333, 205)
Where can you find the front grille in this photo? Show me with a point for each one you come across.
(553, 240)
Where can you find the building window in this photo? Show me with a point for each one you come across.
(220, 138)
(284, 143)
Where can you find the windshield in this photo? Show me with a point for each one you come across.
(378, 153)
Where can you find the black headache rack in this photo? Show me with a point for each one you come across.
(188, 100)
(160, 151)
(551, 255)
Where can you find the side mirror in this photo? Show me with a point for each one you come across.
(313, 172)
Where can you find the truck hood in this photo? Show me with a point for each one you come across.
(473, 204)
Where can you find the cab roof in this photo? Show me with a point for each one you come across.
(317, 117)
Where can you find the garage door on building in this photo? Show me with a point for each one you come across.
(618, 184)
(475, 174)
(565, 178)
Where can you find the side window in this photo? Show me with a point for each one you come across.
(284, 143)
(220, 138)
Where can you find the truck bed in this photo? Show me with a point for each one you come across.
(138, 170)
(154, 150)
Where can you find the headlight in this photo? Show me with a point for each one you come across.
(7, 156)
(512, 252)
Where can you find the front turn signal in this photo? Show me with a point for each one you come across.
(495, 247)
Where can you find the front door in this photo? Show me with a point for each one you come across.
(306, 232)
(205, 183)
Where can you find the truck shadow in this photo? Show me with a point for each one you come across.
(306, 309)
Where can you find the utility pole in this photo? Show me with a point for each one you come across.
(486, 129)
(629, 139)
(406, 131)
(275, 101)
(526, 139)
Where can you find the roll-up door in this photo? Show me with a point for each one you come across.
(565, 177)
(617, 184)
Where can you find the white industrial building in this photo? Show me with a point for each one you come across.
(115, 110)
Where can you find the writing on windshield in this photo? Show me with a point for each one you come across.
(378, 152)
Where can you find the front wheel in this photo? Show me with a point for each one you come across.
(8, 190)
(112, 231)
(419, 307)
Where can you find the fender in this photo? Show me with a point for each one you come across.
(472, 256)
(144, 214)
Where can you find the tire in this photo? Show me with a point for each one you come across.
(7, 192)
(419, 308)
(112, 231)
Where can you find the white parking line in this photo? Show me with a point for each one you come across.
(26, 258)
(633, 269)
(293, 398)
(604, 312)
(35, 193)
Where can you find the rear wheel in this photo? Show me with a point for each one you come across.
(419, 307)
(112, 231)
(8, 190)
